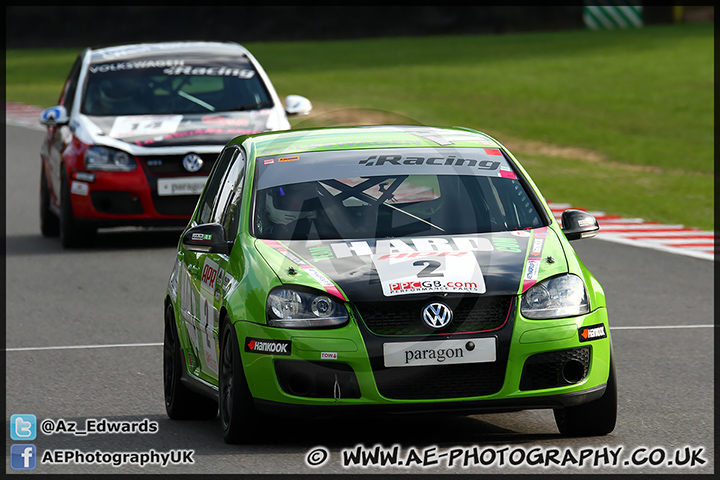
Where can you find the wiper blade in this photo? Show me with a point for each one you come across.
(251, 106)
(196, 100)
(432, 225)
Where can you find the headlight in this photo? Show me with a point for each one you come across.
(556, 297)
(105, 158)
(295, 309)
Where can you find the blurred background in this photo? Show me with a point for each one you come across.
(79, 26)
(619, 96)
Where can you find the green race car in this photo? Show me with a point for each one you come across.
(351, 270)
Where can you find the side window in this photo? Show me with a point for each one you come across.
(232, 219)
(229, 188)
(219, 173)
(67, 98)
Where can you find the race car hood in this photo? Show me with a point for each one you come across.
(505, 263)
(174, 130)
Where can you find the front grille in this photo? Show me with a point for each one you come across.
(444, 381)
(555, 369)
(470, 314)
(166, 166)
(169, 165)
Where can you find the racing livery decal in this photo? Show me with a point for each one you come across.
(173, 130)
(144, 125)
(267, 346)
(327, 284)
(429, 272)
(136, 65)
(491, 264)
(532, 266)
(592, 332)
(209, 276)
(354, 163)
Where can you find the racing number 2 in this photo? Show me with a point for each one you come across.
(429, 270)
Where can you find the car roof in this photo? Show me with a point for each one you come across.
(366, 137)
(140, 50)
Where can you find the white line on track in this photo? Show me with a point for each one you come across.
(660, 327)
(81, 347)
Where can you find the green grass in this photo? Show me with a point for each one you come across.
(630, 111)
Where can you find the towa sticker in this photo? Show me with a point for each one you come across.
(432, 271)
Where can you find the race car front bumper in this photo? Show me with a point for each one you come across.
(540, 364)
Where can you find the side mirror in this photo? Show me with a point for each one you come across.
(207, 238)
(53, 116)
(297, 105)
(577, 224)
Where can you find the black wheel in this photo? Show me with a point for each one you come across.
(180, 402)
(238, 416)
(594, 418)
(71, 235)
(49, 222)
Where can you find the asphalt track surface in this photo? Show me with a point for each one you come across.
(84, 328)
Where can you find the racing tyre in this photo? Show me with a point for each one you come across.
(49, 222)
(71, 234)
(594, 418)
(238, 416)
(180, 402)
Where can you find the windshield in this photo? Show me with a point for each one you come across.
(386, 204)
(173, 85)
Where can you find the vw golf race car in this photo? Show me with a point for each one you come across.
(338, 271)
(137, 130)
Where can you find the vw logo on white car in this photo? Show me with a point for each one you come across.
(437, 315)
(192, 162)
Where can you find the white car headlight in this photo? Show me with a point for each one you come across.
(295, 309)
(108, 159)
(556, 297)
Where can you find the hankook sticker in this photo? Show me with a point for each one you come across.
(267, 346)
(592, 332)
